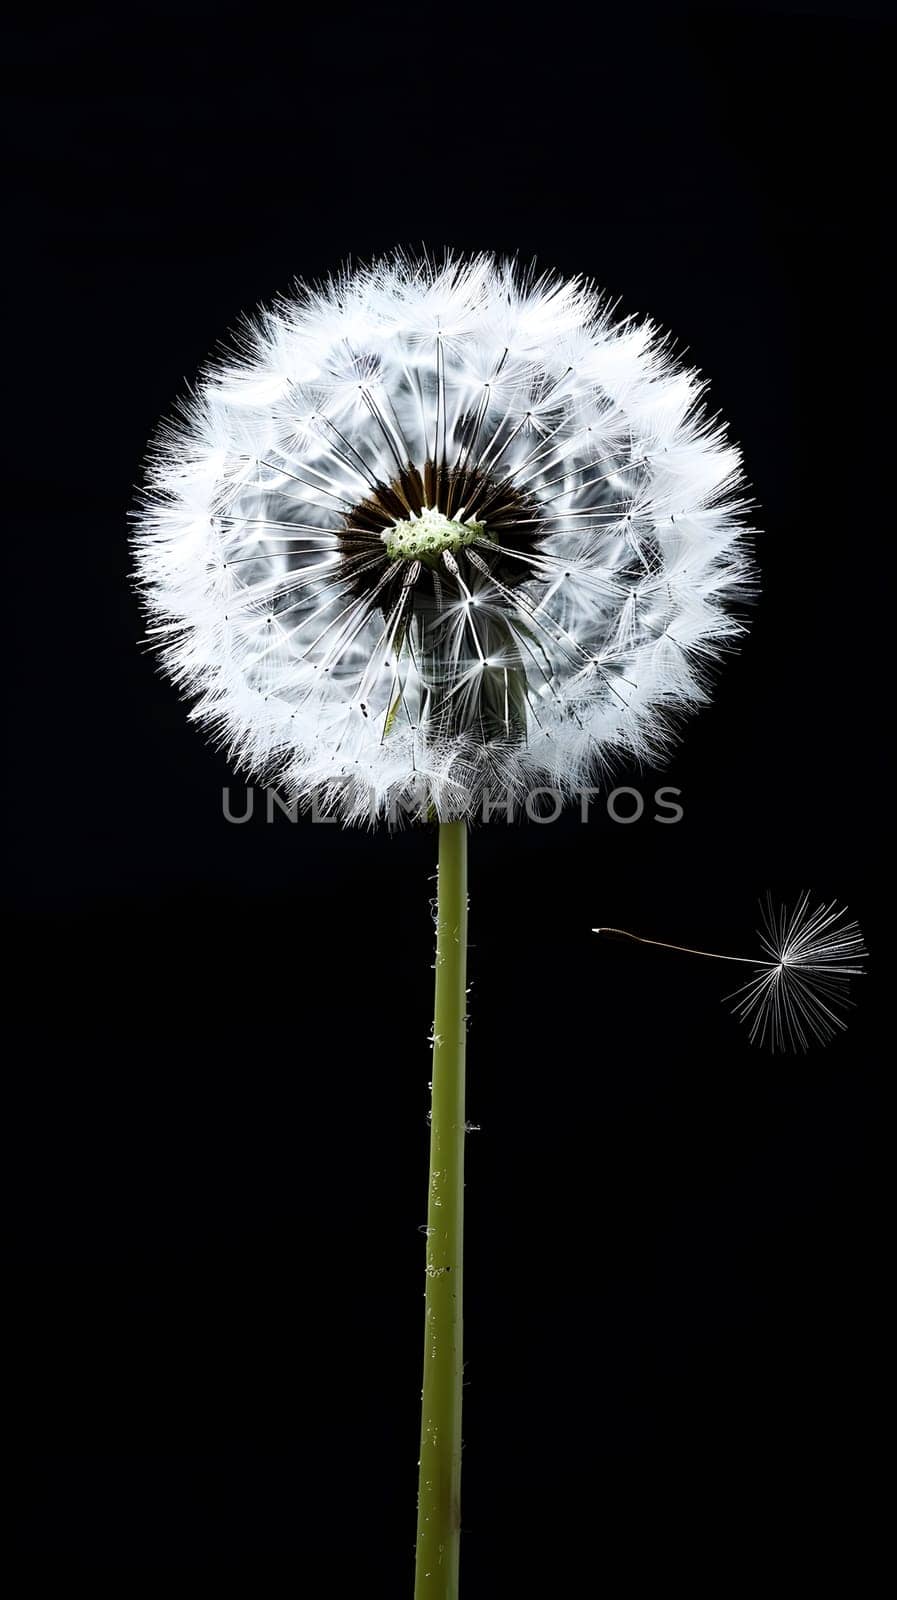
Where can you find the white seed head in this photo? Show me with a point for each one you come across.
(440, 531)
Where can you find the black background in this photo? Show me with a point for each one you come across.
(216, 1109)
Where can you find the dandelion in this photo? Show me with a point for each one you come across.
(429, 534)
(436, 531)
(800, 990)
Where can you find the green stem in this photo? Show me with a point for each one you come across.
(439, 1492)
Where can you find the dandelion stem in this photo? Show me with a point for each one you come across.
(439, 1494)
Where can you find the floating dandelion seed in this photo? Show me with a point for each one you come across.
(801, 991)
(801, 987)
(441, 531)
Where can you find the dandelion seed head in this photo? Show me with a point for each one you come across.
(438, 530)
